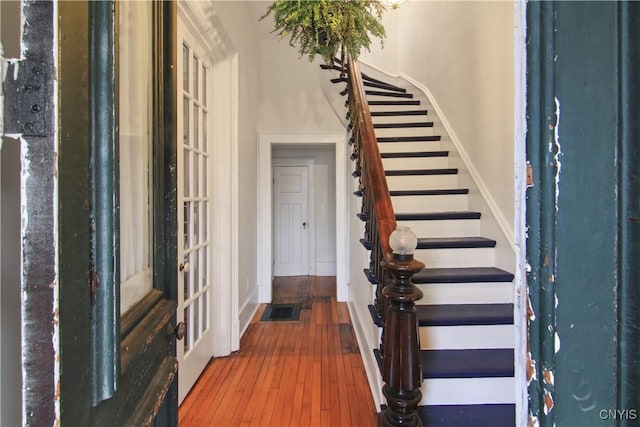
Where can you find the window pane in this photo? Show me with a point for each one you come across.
(196, 67)
(204, 86)
(185, 68)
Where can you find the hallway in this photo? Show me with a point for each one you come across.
(292, 373)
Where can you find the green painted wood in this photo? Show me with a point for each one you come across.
(582, 143)
(105, 248)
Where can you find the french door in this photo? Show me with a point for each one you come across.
(194, 203)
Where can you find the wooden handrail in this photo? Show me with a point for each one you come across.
(377, 182)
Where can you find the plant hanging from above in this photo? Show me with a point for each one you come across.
(327, 26)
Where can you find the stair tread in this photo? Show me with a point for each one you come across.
(447, 243)
(410, 172)
(403, 125)
(429, 216)
(441, 192)
(393, 94)
(468, 363)
(409, 138)
(399, 113)
(462, 275)
(407, 154)
(479, 415)
(394, 102)
(465, 314)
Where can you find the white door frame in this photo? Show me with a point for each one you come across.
(224, 175)
(311, 219)
(265, 197)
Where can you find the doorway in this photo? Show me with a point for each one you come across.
(331, 148)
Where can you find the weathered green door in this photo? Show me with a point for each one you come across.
(99, 212)
(583, 210)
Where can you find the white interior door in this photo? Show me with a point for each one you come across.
(290, 220)
(194, 248)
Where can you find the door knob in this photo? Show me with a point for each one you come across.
(184, 266)
(304, 225)
(179, 330)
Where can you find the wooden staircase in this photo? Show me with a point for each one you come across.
(465, 318)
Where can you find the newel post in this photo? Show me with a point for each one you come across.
(401, 363)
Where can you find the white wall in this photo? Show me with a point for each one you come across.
(463, 52)
(324, 201)
(238, 23)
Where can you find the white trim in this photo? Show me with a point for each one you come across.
(503, 224)
(310, 164)
(266, 140)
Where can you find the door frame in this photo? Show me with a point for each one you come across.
(309, 163)
(265, 197)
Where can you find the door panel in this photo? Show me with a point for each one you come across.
(290, 217)
(194, 254)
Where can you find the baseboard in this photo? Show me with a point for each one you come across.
(247, 311)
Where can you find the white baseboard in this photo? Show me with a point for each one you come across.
(247, 311)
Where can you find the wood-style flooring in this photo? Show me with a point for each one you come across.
(290, 373)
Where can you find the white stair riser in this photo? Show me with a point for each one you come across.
(467, 391)
(388, 98)
(394, 107)
(403, 147)
(466, 337)
(402, 119)
(456, 258)
(439, 203)
(417, 131)
(444, 228)
(408, 163)
(466, 293)
(418, 182)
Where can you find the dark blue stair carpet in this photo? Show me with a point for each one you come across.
(468, 363)
(488, 415)
(399, 113)
(413, 154)
(424, 138)
(441, 192)
(462, 275)
(411, 172)
(446, 243)
(458, 315)
(403, 125)
(431, 216)
(392, 94)
(395, 102)
(370, 276)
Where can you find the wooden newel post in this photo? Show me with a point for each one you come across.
(401, 363)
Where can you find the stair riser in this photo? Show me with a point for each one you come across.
(466, 293)
(395, 107)
(465, 337)
(408, 163)
(409, 204)
(418, 131)
(400, 119)
(458, 257)
(403, 147)
(444, 228)
(460, 391)
(418, 182)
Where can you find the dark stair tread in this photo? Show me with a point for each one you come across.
(394, 102)
(411, 172)
(446, 243)
(458, 315)
(478, 415)
(370, 276)
(392, 94)
(409, 138)
(468, 363)
(399, 113)
(401, 125)
(462, 275)
(367, 78)
(441, 192)
(431, 216)
(413, 154)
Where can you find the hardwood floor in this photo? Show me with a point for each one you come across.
(291, 373)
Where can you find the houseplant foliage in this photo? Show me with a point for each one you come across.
(327, 27)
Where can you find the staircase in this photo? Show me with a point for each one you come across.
(466, 315)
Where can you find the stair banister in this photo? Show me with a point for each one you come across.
(395, 294)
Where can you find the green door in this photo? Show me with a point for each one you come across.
(99, 211)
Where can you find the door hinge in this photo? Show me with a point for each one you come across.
(25, 98)
(529, 175)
